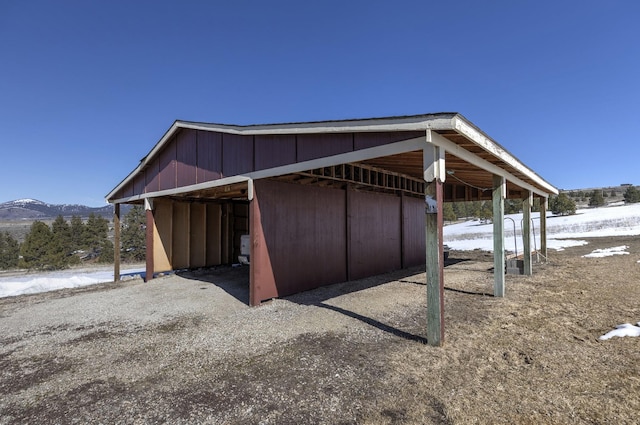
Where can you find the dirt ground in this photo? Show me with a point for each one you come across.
(187, 349)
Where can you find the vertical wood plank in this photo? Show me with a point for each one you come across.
(526, 232)
(543, 228)
(499, 192)
(433, 165)
(116, 243)
(150, 231)
(434, 266)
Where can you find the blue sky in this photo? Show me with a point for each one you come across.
(87, 88)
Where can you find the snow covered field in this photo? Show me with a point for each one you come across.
(561, 232)
(32, 283)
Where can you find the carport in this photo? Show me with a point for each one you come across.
(324, 202)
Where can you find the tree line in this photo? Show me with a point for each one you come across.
(64, 244)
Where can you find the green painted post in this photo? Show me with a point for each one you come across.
(498, 194)
(434, 265)
(526, 232)
(543, 228)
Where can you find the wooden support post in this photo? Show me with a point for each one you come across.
(434, 174)
(526, 232)
(499, 193)
(116, 243)
(543, 228)
(148, 207)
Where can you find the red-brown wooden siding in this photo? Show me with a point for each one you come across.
(167, 174)
(186, 158)
(374, 234)
(313, 146)
(237, 154)
(138, 184)
(151, 176)
(413, 231)
(209, 157)
(298, 238)
(308, 236)
(274, 151)
(369, 140)
(197, 156)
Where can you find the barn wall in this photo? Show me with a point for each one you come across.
(413, 232)
(180, 242)
(197, 235)
(304, 237)
(298, 238)
(162, 237)
(197, 156)
(374, 234)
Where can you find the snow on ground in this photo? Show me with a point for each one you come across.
(562, 231)
(49, 281)
(626, 329)
(607, 252)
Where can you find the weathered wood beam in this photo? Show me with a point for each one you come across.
(499, 193)
(527, 203)
(543, 228)
(434, 175)
(148, 207)
(116, 243)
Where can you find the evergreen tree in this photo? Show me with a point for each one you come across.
(613, 194)
(62, 234)
(95, 232)
(474, 209)
(61, 248)
(35, 249)
(134, 234)
(106, 252)
(512, 206)
(631, 195)
(596, 199)
(460, 209)
(447, 212)
(562, 205)
(76, 233)
(486, 211)
(9, 251)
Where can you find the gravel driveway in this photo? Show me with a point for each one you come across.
(186, 349)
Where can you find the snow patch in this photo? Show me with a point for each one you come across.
(626, 329)
(43, 282)
(608, 252)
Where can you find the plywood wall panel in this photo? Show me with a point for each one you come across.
(151, 176)
(186, 157)
(139, 184)
(167, 163)
(303, 242)
(213, 233)
(162, 238)
(374, 234)
(275, 150)
(198, 235)
(369, 140)
(237, 154)
(413, 231)
(180, 237)
(312, 146)
(209, 159)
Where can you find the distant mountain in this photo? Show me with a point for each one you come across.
(32, 209)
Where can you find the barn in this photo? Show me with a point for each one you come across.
(323, 202)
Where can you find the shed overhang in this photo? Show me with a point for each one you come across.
(472, 158)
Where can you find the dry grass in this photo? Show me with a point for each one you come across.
(350, 353)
